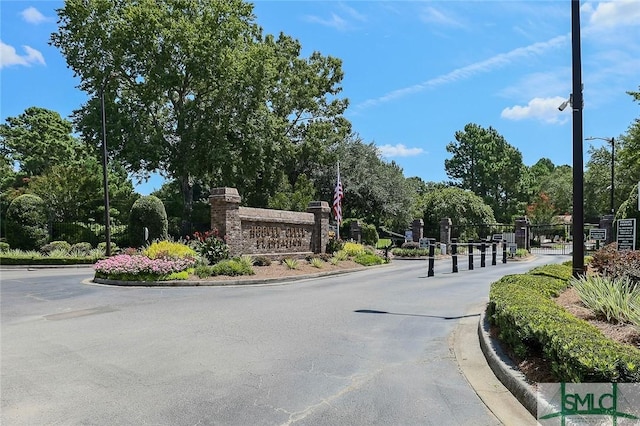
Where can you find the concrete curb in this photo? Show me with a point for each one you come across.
(504, 369)
(222, 283)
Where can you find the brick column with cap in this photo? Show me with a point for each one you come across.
(225, 217)
(320, 236)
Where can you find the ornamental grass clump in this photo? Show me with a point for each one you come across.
(316, 262)
(616, 300)
(140, 268)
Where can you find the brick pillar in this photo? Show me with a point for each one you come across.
(225, 217)
(606, 222)
(355, 231)
(417, 227)
(445, 231)
(522, 232)
(320, 235)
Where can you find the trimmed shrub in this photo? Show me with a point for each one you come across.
(410, 245)
(59, 246)
(148, 211)
(369, 234)
(368, 259)
(27, 222)
(231, 267)
(261, 261)
(4, 247)
(82, 248)
(529, 321)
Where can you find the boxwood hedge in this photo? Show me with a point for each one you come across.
(529, 321)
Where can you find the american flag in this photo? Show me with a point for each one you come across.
(338, 195)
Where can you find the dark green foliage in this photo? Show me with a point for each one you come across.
(369, 234)
(410, 245)
(27, 223)
(334, 245)
(149, 212)
(47, 260)
(368, 259)
(629, 208)
(81, 248)
(74, 233)
(325, 257)
(55, 245)
(261, 261)
(4, 246)
(529, 321)
(210, 246)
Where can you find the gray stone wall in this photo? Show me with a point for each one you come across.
(269, 232)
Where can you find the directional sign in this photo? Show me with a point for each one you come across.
(424, 243)
(626, 234)
(598, 234)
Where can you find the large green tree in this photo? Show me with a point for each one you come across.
(37, 139)
(375, 190)
(484, 163)
(194, 90)
(628, 156)
(463, 207)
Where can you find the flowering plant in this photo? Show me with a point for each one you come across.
(141, 268)
(210, 246)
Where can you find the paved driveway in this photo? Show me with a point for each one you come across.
(370, 347)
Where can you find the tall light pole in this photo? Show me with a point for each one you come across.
(105, 174)
(578, 177)
(612, 141)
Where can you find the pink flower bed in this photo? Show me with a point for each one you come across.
(137, 264)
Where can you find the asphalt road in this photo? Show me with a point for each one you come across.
(371, 347)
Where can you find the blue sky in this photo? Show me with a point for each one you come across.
(415, 71)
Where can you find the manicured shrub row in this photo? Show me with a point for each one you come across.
(6, 260)
(410, 252)
(529, 321)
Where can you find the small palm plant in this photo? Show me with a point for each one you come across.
(290, 263)
(316, 262)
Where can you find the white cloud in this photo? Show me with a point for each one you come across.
(488, 65)
(33, 16)
(9, 56)
(399, 150)
(615, 14)
(542, 109)
(334, 22)
(431, 15)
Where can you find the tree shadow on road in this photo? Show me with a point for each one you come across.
(372, 311)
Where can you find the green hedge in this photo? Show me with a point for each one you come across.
(521, 306)
(4, 260)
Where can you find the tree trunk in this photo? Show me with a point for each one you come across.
(186, 186)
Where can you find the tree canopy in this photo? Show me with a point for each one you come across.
(194, 90)
(37, 139)
(484, 163)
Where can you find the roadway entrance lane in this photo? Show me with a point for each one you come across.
(317, 351)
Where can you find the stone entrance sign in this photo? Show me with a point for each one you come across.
(278, 233)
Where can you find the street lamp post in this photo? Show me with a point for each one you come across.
(612, 141)
(578, 178)
(105, 174)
